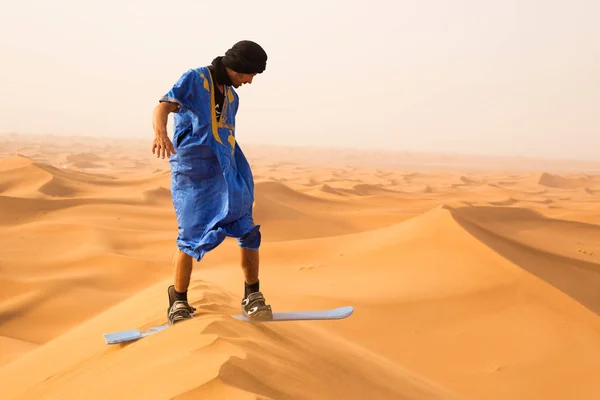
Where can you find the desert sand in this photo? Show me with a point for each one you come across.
(472, 277)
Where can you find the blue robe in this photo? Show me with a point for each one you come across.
(212, 186)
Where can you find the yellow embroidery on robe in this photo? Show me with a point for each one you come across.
(205, 82)
(213, 115)
(231, 140)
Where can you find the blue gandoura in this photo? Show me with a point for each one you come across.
(211, 182)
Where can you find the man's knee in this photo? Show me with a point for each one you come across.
(251, 240)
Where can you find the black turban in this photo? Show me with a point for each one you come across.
(246, 57)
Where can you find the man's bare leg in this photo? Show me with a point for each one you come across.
(254, 306)
(179, 308)
(250, 261)
(183, 270)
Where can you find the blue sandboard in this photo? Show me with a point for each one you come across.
(336, 313)
(132, 334)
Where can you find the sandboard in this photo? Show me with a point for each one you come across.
(336, 313)
(132, 334)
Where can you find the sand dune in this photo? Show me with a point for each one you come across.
(528, 239)
(362, 189)
(592, 191)
(560, 182)
(288, 214)
(13, 349)
(222, 357)
(470, 279)
(85, 160)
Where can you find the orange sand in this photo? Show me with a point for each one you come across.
(471, 277)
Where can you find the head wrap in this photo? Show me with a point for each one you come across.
(221, 75)
(246, 57)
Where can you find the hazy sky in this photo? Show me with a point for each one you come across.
(508, 77)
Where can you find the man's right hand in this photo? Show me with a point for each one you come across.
(162, 146)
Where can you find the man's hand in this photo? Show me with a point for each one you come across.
(162, 146)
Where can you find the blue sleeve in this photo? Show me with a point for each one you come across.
(182, 92)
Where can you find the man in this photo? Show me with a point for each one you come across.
(211, 182)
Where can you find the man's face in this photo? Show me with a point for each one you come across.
(238, 79)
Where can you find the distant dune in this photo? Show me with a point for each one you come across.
(560, 182)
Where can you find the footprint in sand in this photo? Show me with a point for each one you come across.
(589, 253)
(309, 267)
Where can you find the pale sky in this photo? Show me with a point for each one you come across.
(498, 77)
